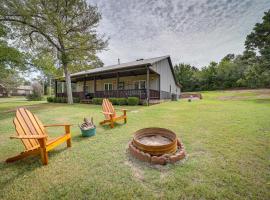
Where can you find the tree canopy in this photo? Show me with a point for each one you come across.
(249, 70)
(12, 62)
(64, 29)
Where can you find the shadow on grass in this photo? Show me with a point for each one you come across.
(79, 138)
(37, 107)
(266, 101)
(116, 125)
(23, 167)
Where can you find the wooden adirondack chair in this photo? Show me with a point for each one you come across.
(110, 114)
(34, 136)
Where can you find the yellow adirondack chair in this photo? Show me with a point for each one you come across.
(110, 114)
(34, 136)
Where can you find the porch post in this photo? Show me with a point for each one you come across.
(84, 86)
(147, 85)
(159, 87)
(95, 86)
(117, 84)
(55, 88)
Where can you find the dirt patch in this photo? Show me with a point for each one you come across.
(155, 140)
(136, 171)
(37, 106)
(246, 94)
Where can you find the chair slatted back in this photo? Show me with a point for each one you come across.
(27, 123)
(108, 107)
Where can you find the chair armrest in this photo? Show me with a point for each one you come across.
(122, 109)
(52, 125)
(28, 136)
(107, 113)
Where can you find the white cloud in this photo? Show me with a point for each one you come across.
(194, 31)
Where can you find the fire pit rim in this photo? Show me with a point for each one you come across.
(170, 147)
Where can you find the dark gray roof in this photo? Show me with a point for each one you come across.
(148, 61)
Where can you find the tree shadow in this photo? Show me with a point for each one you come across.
(262, 101)
(116, 125)
(24, 166)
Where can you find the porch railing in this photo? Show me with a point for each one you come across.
(140, 93)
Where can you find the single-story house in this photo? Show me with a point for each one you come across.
(22, 90)
(147, 79)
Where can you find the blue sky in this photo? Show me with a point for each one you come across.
(190, 31)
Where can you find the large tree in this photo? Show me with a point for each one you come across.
(64, 28)
(259, 38)
(12, 63)
(185, 75)
(258, 41)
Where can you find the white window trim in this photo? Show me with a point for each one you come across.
(108, 87)
(139, 83)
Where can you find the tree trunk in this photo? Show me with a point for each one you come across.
(68, 85)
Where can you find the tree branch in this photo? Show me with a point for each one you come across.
(34, 27)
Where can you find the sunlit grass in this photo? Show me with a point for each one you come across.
(227, 141)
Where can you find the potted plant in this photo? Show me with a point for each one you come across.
(88, 128)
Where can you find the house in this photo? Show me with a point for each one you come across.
(3, 91)
(148, 79)
(22, 90)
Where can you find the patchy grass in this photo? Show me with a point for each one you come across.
(227, 142)
(10, 104)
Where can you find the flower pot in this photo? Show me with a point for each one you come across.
(88, 133)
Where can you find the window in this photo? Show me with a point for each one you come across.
(121, 85)
(139, 84)
(108, 86)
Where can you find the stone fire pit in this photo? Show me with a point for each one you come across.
(156, 146)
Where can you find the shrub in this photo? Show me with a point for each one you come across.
(58, 100)
(121, 101)
(97, 101)
(36, 94)
(63, 100)
(50, 99)
(33, 97)
(76, 99)
(133, 101)
(114, 101)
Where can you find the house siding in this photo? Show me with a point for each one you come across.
(167, 83)
(128, 82)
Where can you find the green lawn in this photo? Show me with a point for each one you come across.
(226, 135)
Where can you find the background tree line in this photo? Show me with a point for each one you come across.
(251, 69)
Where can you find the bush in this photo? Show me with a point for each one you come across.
(133, 101)
(58, 100)
(33, 97)
(37, 92)
(50, 99)
(97, 101)
(63, 100)
(76, 100)
(121, 101)
(114, 101)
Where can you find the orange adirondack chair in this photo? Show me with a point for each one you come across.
(110, 114)
(34, 136)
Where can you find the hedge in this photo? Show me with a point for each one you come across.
(97, 101)
(33, 97)
(133, 101)
(114, 101)
(61, 99)
(122, 101)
